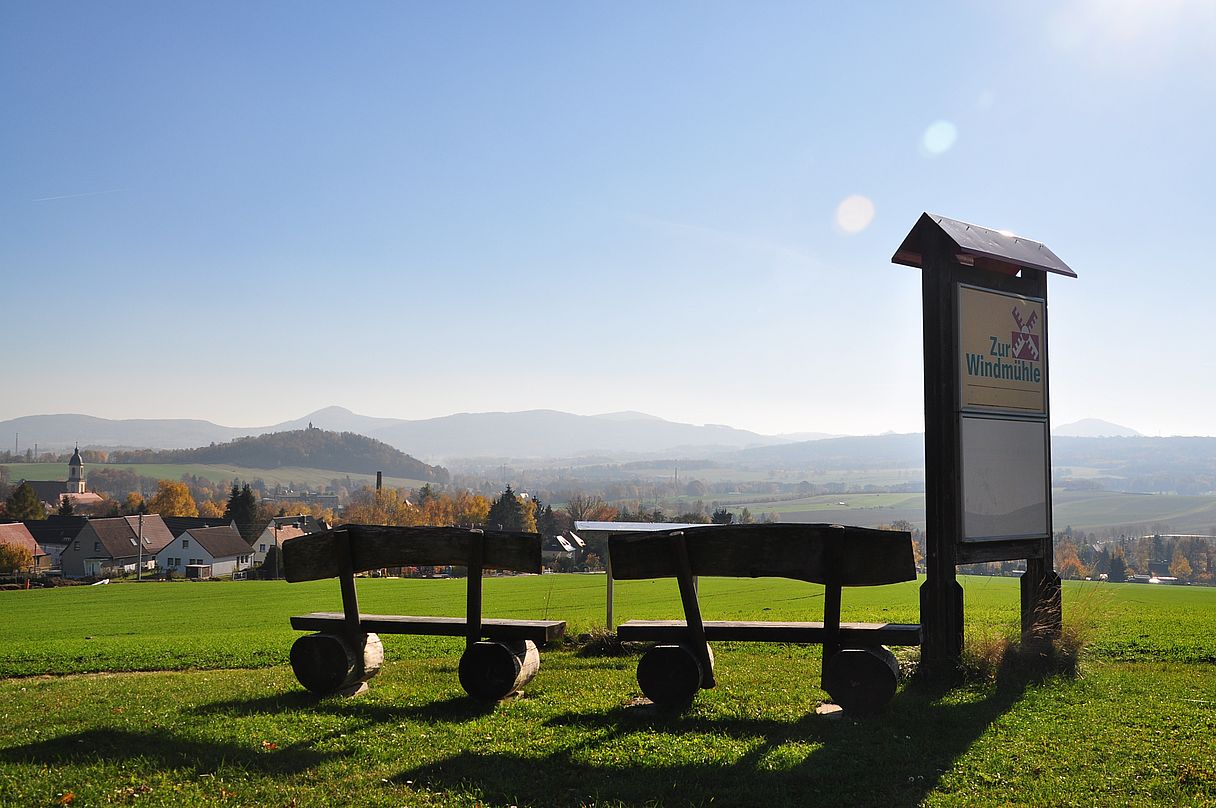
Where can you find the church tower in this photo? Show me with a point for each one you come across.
(75, 484)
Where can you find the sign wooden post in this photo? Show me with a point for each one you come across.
(987, 441)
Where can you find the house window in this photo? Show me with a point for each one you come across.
(261, 548)
(96, 547)
(185, 543)
(76, 546)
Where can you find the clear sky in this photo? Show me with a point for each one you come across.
(243, 212)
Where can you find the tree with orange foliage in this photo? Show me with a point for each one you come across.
(172, 499)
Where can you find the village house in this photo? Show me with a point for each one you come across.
(16, 534)
(54, 534)
(180, 524)
(282, 528)
(106, 547)
(206, 552)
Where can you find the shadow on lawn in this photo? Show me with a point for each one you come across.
(894, 759)
(165, 750)
(451, 710)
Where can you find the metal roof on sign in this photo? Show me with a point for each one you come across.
(974, 242)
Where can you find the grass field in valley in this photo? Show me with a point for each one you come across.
(178, 694)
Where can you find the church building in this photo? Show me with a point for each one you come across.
(52, 492)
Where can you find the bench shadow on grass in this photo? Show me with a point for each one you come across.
(894, 759)
(166, 750)
(454, 709)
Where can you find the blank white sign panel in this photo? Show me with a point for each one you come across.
(1005, 479)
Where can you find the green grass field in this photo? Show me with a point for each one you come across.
(177, 694)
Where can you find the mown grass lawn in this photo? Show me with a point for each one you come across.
(228, 724)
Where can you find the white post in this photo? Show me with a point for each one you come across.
(139, 560)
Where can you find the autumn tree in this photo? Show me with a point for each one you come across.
(172, 499)
(134, 503)
(23, 504)
(471, 510)
(13, 557)
(1068, 565)
(210, 510)
(1180, 568)
(384, 507)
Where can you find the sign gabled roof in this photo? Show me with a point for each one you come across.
(973, 240)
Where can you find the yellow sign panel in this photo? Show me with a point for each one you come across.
(1002, 351)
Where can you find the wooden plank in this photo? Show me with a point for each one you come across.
(772, 631)
(1011, 550)
(868, 557)
(316, 555)
(540, 631)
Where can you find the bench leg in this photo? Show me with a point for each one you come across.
(336, 664)
(861, 680)
(490, 671)
(671, 675)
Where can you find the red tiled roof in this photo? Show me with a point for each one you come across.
(17, 534)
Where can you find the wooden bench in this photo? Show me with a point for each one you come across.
(500, 656)
(858, 672)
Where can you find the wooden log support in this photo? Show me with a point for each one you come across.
(336, 664)
(490, 671)
(861, 680)
(671, 675)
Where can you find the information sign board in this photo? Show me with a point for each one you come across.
(1002, 351)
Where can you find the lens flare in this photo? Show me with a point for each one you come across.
(854, 214)
(939, 138)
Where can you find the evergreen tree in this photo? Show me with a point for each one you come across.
(505, 512)
(242, 508)
(721, 516)
(65, 506)
(23, 504)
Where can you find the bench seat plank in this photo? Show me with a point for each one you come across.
(772, 631)
(539, 631)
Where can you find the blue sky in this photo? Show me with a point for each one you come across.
(244, 212)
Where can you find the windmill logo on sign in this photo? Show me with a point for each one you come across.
(1025, 343)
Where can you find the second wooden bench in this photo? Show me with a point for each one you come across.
(858, 672)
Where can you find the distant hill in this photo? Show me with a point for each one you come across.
(530, 434)
(868, 452)
(1094, 428)
(306, 448)
(548, 433)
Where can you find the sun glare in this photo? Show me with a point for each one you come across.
(854, 214)
(939, 138)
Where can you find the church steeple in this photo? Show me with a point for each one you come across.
(75, 484)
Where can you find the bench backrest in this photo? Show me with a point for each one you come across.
(323, 555)
(844, 556)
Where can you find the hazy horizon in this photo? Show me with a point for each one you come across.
(243, 213)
